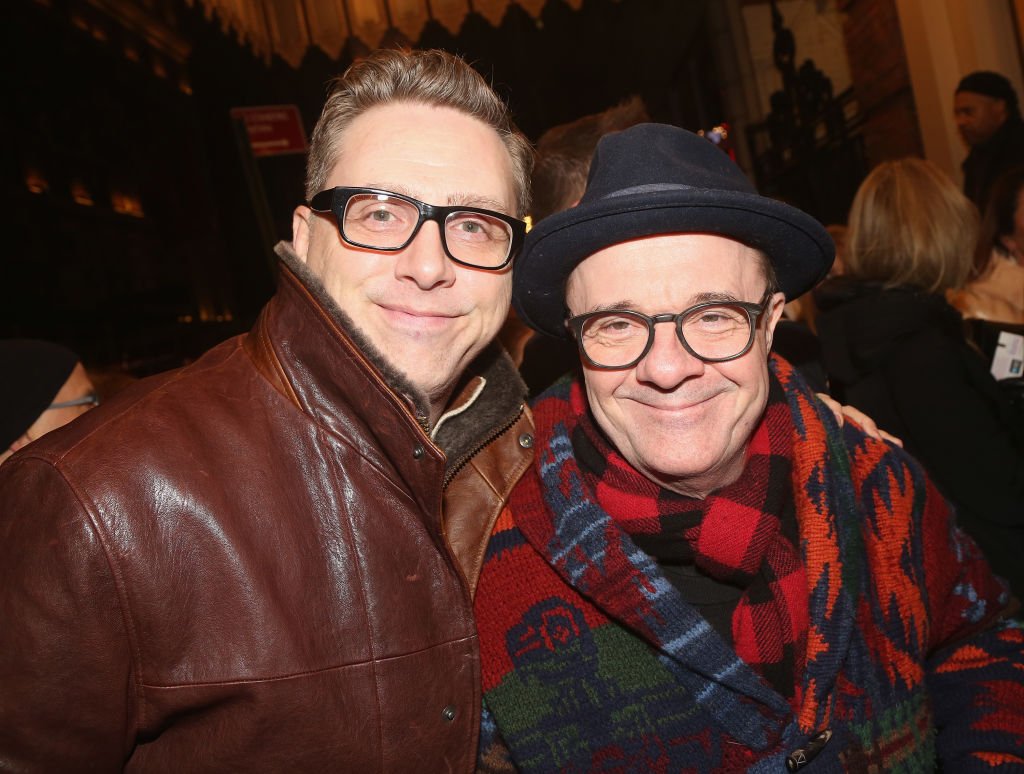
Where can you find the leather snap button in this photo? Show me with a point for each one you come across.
(448, 713)
(417, 452)
(526, 441)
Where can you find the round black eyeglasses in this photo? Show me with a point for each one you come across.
(713, 331)
(382, 220)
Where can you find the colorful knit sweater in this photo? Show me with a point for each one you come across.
(909, 660)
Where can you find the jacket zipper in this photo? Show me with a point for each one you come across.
(494, 435)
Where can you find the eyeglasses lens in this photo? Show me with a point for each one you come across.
(717, 332)
(476, 238)
(387, 222)
(614, 339)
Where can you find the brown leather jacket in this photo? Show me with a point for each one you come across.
(242, 565)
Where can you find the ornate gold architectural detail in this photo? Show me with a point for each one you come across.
(288, 27)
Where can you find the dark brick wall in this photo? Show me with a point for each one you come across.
(881, 79)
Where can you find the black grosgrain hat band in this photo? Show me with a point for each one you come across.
(654, 179)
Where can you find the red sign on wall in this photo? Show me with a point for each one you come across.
(273, 130)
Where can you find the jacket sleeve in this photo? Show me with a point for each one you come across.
(975, 669)
(65, 668)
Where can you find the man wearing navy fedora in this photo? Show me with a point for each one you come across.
(701, 570)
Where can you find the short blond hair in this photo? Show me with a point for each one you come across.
(911, 225)
(431, 77)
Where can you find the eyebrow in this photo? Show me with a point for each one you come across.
(457, 199)
(628, 305)
(727, 298)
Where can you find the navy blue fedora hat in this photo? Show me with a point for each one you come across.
(656, 179)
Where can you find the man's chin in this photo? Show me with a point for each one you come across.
(430, 370)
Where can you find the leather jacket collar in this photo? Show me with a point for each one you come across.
(313, 354)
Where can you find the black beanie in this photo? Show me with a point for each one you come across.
(990, 84)
(36, 370)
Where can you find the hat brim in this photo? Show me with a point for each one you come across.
(798, 247)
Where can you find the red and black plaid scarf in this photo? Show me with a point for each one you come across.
(734, 535)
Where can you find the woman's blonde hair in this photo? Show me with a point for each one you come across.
(910, 225)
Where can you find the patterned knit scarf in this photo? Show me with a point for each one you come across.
(733, 536)
(584, 640)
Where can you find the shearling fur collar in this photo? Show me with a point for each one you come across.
(489, 395)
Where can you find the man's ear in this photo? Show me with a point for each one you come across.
(774, 314)
(300, 230)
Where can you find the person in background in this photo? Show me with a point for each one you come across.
(564, 153)
(988, 118)
(802, 309)
(265, 561)
(701, 571)
(559, 179)
(894, 348)
(996, 289)
(45, 388)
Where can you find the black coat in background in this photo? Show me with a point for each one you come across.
(987, 161)
(900, 356)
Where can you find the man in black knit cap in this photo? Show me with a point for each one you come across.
(988, 118)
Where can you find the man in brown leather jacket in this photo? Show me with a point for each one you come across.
(265, 561)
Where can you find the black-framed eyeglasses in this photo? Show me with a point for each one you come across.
(89, 399)
(383, 220)
(713, 331)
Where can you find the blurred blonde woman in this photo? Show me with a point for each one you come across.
(894, 348)
(996, 289)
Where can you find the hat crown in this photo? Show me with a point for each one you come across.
(648, 158)
(654, 179)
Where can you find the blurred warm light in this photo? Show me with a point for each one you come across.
(126, 204)
(529, 222)
(131, 53)
(81, 194)
(35, 181)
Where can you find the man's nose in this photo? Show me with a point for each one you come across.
(424, 260)
(668, 363)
